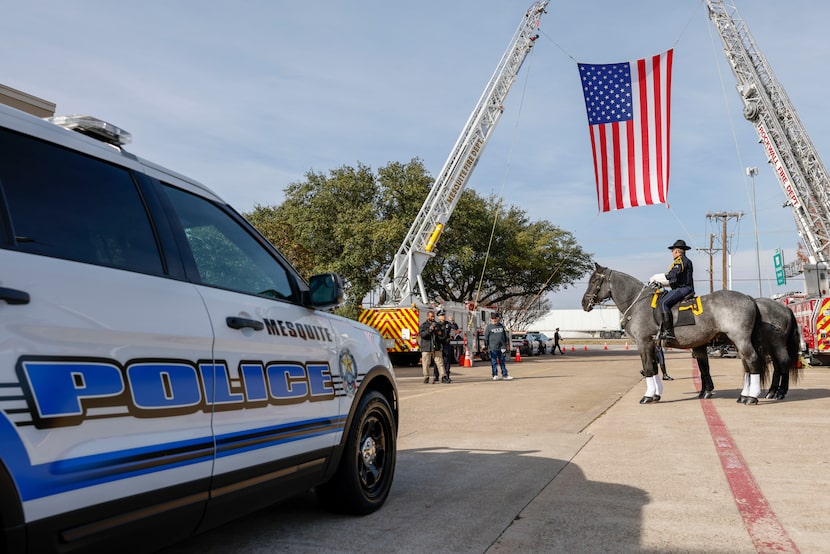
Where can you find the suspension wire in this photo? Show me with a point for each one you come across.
(504, 180)
(692, 15)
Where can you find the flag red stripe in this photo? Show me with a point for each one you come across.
(632, 164)
(644, 135)
(664, 188)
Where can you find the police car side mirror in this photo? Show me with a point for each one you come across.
(325, 291)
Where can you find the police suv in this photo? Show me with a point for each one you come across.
(163, 369)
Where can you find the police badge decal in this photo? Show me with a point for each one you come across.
(348, 372)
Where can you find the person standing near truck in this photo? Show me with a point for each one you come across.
(497, 342)
(450, 329)
(431, 333)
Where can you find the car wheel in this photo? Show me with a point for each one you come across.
(363, 478)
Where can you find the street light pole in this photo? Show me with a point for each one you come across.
(752, 172)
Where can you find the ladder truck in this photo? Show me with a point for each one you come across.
(797, 166)
(403, 298)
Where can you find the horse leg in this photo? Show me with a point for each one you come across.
(654, 387)
(778, 377)
(706, 383)
(755, 366)
(751, 389)
(782, 385)
(744, 396)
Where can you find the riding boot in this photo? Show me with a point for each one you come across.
(667, 327)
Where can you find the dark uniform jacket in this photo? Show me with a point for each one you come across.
(431, 340)
(680, 273)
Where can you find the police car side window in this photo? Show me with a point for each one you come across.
(226, 254)
(67, 205)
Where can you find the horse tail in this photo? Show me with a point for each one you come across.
(794, 348)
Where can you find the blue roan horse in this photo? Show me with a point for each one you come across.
(726, 312)
(782, 343)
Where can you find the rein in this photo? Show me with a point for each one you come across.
(636, 299)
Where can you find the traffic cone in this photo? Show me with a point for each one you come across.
(626, 345)
(605, 347)
(572, 348)
(586, 348)
(468, 360)
(518, 355)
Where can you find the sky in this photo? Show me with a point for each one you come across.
(249, 96)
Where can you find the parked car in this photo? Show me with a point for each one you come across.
(545, 343)
(722, 351)
(722, 347)
(528, 345)
(164, 368)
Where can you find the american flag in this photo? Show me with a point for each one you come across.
(628, 107)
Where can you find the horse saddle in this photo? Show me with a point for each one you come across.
(684, 311)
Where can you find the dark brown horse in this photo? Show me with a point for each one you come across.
(726, 312)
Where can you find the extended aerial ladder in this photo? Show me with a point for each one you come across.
(398, 287)
(796, 163)
(800, 172)
(402, 292)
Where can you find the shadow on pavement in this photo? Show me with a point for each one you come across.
(450, 500)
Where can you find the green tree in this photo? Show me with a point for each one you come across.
(349, 221)
(352, 221)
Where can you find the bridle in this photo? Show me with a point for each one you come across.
(594, 297)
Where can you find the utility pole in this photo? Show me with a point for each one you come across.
(724, 217)
(711, 250)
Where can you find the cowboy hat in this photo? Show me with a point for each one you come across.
(681, 244)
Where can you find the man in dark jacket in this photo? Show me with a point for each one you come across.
(497, 342)
(431, 333)
(449, 330)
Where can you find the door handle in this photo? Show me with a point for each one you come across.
(243, 322)
(14, 296)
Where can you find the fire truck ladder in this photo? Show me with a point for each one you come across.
(801, 173)
(398, 285)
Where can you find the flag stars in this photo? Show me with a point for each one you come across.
(607, 89)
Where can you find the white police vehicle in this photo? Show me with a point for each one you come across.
(163, 369)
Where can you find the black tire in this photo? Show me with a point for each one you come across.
(364, 477)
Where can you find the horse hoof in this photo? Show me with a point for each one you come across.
(668, 378)
(751, 400)
(770, 395)
(643, 372)
(646, 400)
(657, 398)
(742, 399)
(779, 395)
(707, 394)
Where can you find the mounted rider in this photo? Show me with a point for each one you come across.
(680, 278)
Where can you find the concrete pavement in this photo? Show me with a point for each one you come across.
(565, 459)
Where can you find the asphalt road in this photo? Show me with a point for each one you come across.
(565, 459)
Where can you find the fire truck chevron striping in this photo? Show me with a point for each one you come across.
(398, 327)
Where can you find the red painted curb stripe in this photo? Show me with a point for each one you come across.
(766, 532)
